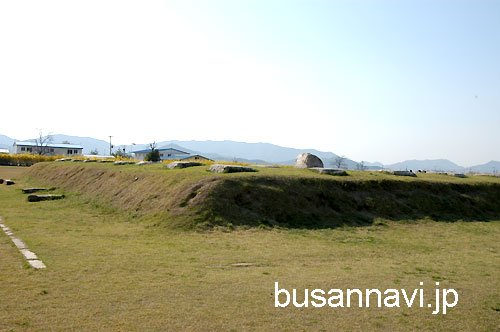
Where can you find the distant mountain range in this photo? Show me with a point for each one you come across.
(433, 165)
(260, 153)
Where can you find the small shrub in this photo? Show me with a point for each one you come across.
(153, 155)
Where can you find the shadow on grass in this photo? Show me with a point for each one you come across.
(324, 203)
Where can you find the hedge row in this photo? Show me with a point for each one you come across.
(23, 159)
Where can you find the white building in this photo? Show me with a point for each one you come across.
(51, 149)
(170, 153)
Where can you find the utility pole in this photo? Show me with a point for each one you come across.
(110, 146)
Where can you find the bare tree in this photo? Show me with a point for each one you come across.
(361, 166)
(154, 155)
(42, 142)
(339, 162)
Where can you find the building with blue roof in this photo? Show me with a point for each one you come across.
(171, 154)
(51, 149)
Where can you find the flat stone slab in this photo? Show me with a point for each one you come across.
(32, 190)
(18, 243)
(404, 173)
(9, 182)
(124, 162)
(105, 161)
(183, 164)
(458, 175)
(144, 163)
(76, 160)
(28, 254)
(37, 264)
(331, 171)
(63, 159)
(1, 181)
(90, 161)
(220, 168)
(242, 264)
(38, 198)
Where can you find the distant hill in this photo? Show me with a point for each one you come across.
(257, 152)
(375, 164)
(6, 142)
(490, 167)
(211, 155)
(250, 151)
(89, 144)
(434, 165)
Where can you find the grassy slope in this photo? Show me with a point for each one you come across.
(194, 197)
(109, 272)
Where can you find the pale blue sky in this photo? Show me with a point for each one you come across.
(374, 80)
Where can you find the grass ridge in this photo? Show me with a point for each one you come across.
(193, 198)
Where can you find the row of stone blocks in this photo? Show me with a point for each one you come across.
(305, 160)
(30, 256)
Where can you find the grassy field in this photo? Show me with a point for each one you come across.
(112, 270)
